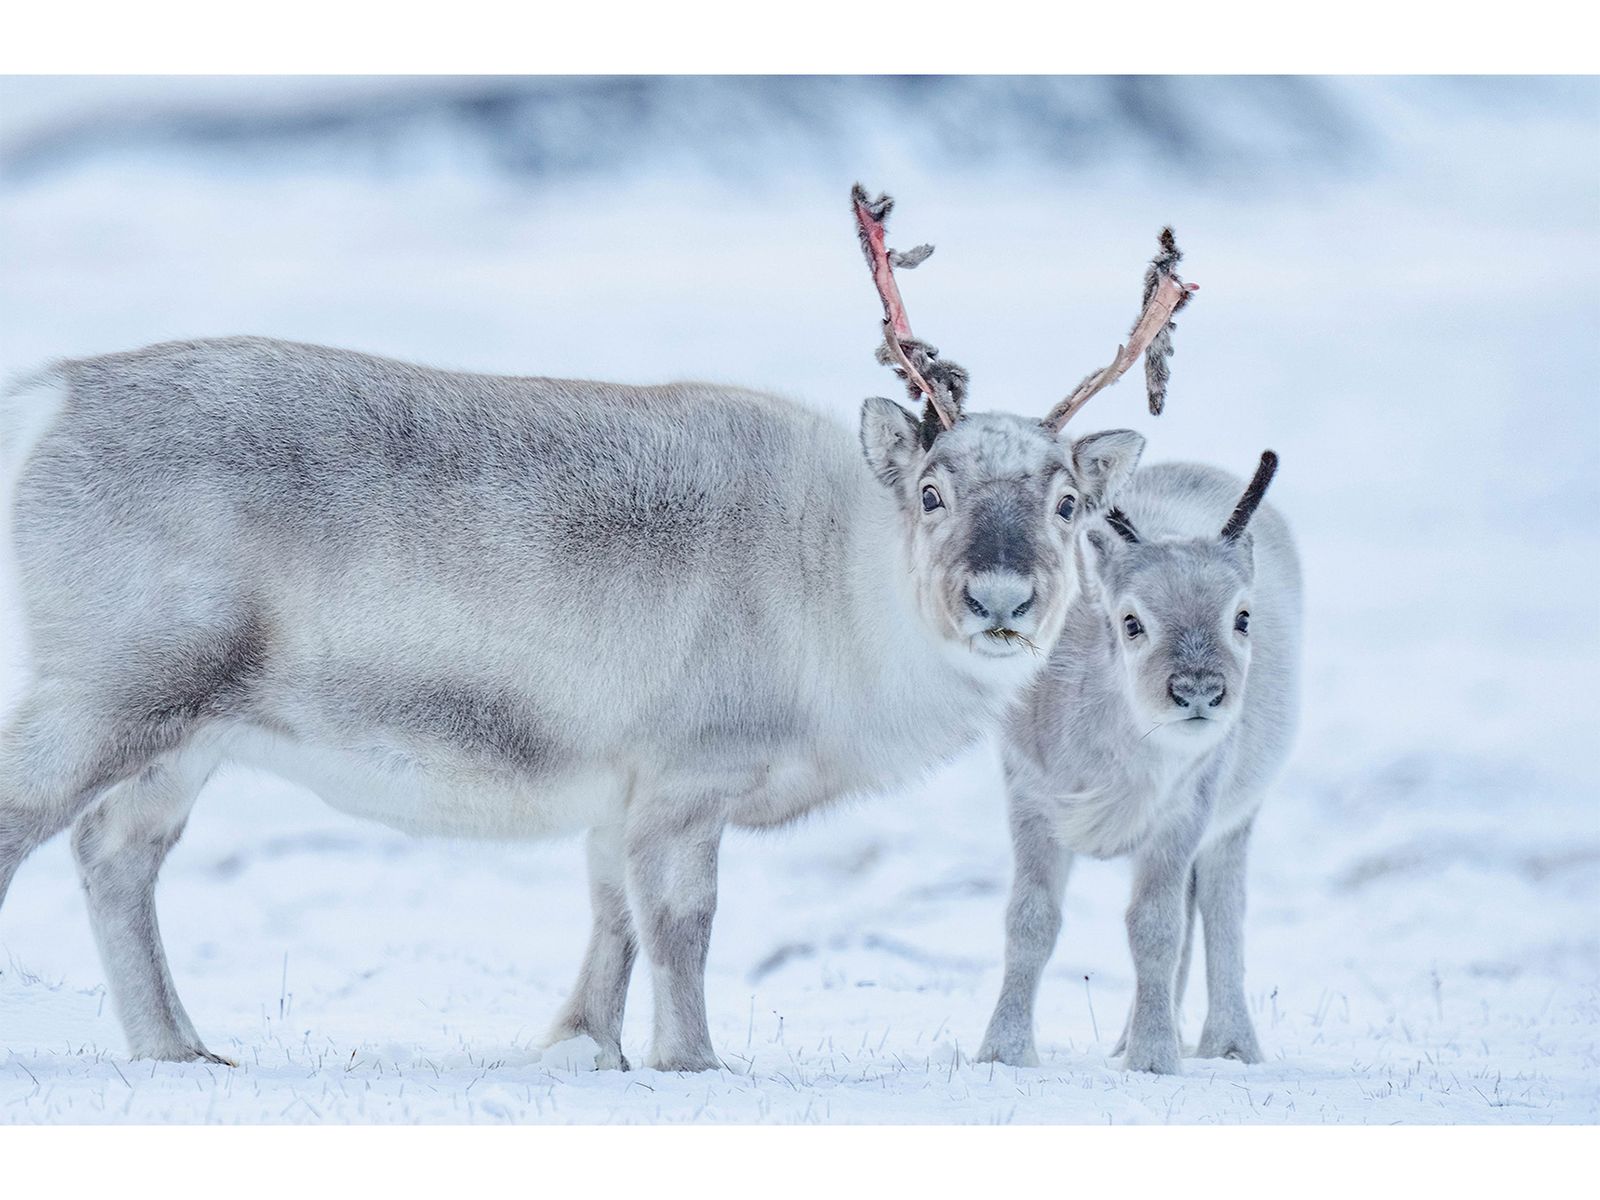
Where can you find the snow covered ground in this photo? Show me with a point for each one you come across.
(1406, 327)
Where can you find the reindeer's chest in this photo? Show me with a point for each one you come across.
(1111, 812)
(866, 754)
(809, 776)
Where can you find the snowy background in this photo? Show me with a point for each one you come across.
(1392, 294)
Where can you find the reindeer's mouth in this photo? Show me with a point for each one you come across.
(1010, 641)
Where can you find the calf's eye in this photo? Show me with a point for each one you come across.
(930, 499)
(1065, 508)
(1242, 621)
(1131, 626)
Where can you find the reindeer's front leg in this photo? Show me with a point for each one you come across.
(596, 1005)
(1157, 920)
(672, 885)
(1228, 1031)
(1033, 921)
(1155, 935)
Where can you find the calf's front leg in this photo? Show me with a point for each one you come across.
(672, 887)
(1157, 919)
(1220, 874)
(1033, 922)
(1184, 956)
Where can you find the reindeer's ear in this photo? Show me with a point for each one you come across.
(1103, 462)
(891, 438)
(1103, 551)
(1242, 547)
(1101, 547)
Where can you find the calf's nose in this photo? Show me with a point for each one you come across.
(1196, 689)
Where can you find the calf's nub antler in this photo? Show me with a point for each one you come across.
(1251, 500)
(1164, 295)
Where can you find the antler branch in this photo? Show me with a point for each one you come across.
(1164, 295)
(870, 218)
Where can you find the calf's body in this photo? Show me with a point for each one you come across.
(1154, 732)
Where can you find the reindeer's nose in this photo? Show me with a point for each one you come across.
(1196, 689)
(1000, 596)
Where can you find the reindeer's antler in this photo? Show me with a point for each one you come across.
(1164, 295)
(870, 218)
(1251, 500)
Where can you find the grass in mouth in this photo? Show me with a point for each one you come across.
(1011, 635)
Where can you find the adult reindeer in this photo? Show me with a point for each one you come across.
(513, 608)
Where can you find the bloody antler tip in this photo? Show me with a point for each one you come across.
(878, 210)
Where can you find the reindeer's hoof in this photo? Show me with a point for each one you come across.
(1241, 1047)
(185, 1054)
(576, 1050)
(611, 1058)
(687, 1063)
(1012, 1055)
(1157, 1060)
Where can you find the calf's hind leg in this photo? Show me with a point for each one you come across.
(120, 844)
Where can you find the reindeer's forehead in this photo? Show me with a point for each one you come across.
(1183, 575)
(997, 446)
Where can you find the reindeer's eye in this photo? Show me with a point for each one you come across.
(1242, 621)
(1131, 626)
(1065, 508)
(930, 499)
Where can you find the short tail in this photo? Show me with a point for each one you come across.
(28, 408)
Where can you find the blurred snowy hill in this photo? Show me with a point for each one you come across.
(1198, 129)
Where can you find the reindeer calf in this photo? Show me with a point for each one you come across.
(1165, 711)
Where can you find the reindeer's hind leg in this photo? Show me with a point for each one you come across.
(57, 755)
(120, 844)
(120, 749)
(596, 1006)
